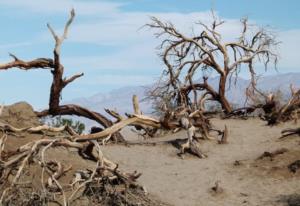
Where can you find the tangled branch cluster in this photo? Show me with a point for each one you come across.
(189, 57)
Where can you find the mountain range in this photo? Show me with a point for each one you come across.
(121, 99)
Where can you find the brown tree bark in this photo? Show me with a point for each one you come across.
(221, 96)
(189, 57)
(59, 82)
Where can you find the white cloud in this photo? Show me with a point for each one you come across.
(126, 28)
(136, 57)
(135, 47)
(105, 23)
(14, 45)
(289, 49)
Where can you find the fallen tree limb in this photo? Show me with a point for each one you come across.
(72, 109)
(241, 112)
(274, 110)
(8, 127)
(289, 132)
(35, 152)
(136, 119)
(190, 145)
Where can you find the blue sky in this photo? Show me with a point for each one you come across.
(105, 41)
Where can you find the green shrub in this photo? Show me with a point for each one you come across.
(76, 125)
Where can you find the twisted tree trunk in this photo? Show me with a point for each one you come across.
(59, 82)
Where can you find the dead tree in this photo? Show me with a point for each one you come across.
(187, 57)
(58, 81)
(289, 111)
(276, 111)
(170, 119)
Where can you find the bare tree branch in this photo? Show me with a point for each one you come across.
(186, 57)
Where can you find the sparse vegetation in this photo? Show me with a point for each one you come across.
(77, 126)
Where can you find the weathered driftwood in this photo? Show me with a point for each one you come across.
(274, 111)
(190, 145)
(35, 153)
(37, 129)
(136, 119)
(289, 132)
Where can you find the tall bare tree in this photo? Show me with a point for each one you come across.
(185, 57)
(58, 81)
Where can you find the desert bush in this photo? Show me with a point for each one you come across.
(78, 126)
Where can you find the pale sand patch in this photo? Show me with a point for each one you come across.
(188, 182)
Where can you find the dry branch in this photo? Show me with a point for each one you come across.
(289, 132)
(10, 128)
(224, 136)
(58, 81)
(275, 111)
(190, 145)
(186, 57)
(136, 119)
(35, 153)
(136, 107)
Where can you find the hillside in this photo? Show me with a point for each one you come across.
(120, 99)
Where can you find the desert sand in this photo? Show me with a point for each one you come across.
(189, 181)
(243, 178)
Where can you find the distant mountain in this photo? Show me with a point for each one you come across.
(121, 99)
(236, 91)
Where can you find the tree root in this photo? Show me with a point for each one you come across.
(289, 132)
(34, 154)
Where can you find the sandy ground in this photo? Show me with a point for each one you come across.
(188, 181)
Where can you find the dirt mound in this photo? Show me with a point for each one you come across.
(20, 115)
